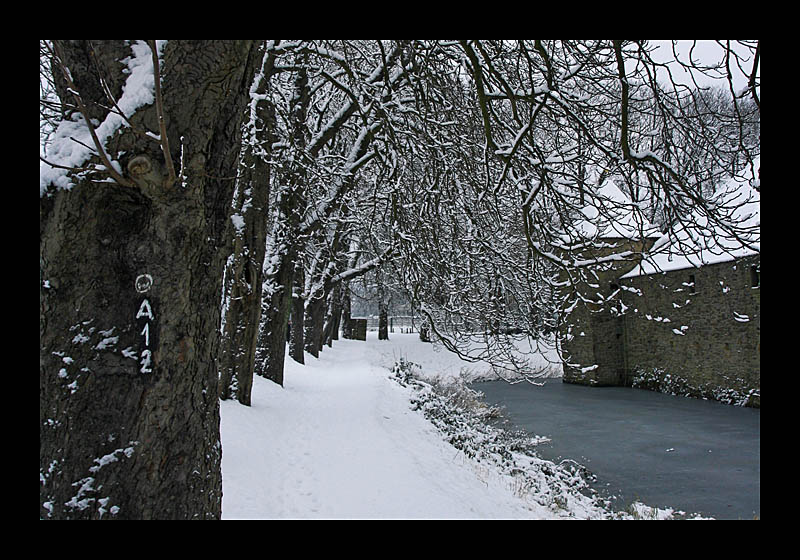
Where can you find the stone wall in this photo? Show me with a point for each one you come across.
(592, 333)
(696, 331)
(594, 351)
(692, 332)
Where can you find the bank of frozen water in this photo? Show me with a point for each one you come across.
(351, 436)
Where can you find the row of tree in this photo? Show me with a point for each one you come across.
(198, 198)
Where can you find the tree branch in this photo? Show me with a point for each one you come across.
(752, 81)
(82, 108)
(161, 124)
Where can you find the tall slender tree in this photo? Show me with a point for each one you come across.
(339, 99)
(244, 272)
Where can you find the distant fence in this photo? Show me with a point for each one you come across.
(397, 323)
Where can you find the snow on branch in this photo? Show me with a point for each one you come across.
(361, 269)
(76, 140)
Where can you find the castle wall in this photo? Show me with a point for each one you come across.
(693, 332)
(696, 332)
(594, 348)
(592, 335)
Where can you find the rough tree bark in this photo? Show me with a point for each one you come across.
(346, 321)
(131, 279)
(314, 317)
(296, 336)
(275, 319)
(334, 316)
(383, 313)
(243, 301)
(286, 245)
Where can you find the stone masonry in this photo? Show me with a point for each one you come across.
(692, 331)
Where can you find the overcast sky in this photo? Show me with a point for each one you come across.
(704, 51)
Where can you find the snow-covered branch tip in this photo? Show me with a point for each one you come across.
(59, 57)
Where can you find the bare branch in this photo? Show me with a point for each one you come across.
(82, 108)
(160, 110)
(57, 166)
(752, 81)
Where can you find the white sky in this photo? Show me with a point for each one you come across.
(706, 52)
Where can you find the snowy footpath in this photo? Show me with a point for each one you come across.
(340, 440)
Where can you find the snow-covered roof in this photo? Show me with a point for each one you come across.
(609, 213)
(735, 232)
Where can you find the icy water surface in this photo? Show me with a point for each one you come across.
(665, 451)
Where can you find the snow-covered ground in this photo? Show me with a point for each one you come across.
(340, 440)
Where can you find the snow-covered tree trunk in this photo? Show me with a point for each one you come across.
(333, 316)
(130, 272)
(383, 321)
(243, 306)
(296, 338)
(314, 319)
(286, 244)
(383, 313)
(275, 319)
(249, 223)
(346, 321)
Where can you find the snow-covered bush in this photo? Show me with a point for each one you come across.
(657, 379)
(471, 426)
(459, 412)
